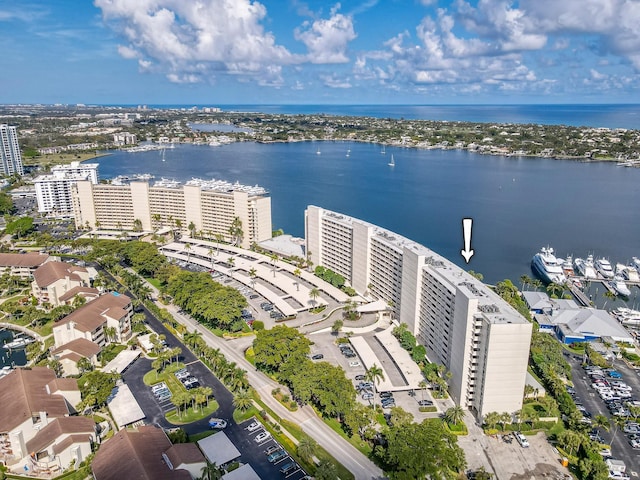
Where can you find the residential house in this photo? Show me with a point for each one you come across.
(146, 453)
(70, 353)
(54, 279)
(31, 399)
(103, 320)
(88, 293)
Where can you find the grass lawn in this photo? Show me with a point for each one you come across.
(191, 415)
(152, 377)
(153, 281)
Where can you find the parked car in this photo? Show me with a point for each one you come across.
(425, 403)
(354, 363)
(367, 396)
(272, 449)
(288, 468)
(317, 356)
(254, 295)
(386, 395)
(521, 439)
(275, 456)
(360, 377)
(261, 437)
(252, 427)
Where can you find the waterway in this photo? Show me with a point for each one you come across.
(518, 204)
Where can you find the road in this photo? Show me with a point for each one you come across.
(338, 447)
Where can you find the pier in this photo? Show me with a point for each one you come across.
(579, 295)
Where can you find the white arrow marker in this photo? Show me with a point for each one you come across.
(467, 253)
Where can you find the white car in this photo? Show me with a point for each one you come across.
(252, 427)
(354, 363)
(261, 437)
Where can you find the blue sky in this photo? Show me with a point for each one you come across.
(211, 52)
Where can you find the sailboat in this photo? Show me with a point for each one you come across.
(392, 162)
(383, 151)
(348, 152)
(163, 150)
(318, 151)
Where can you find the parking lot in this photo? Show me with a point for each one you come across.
(347, 358)
(275, 462)
(591, 400)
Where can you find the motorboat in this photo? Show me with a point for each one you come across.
(585, 267)
(547, 266)
(603, 266)
(635, 262)
(627, 316)
(620, 287)
(18, 343)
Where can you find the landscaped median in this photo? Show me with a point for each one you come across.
(196, 403)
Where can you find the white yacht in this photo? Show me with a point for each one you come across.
(627, 316)
(569, 272)
(18, 343)
(620, 287)
(635, 261)
(585, 267)
(631, 273)
(603, 266)
(547, 266)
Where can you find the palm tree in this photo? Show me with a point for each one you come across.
(187, 248)
(555, 289)
(242, 400)
(423, 387)
(375, 374)
(157, 219)
(211, 471)
(337, 325)
(454, 415)
(525, 280)
(192, 229)
(314, 293)
(505, 417)
(219, 237)
(252, 275)
(297, 272)
(231, 261)
(235, 230)
(210, 252)
(307, 448)
(601, 421)
(610, 296)
(274, 259)
(492, 419)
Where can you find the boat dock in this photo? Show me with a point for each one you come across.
(579, 295)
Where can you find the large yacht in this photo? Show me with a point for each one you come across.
(603, 266)
(620, 287)
(631, 273)
(547, 266)
(569, 272)
(585, 267)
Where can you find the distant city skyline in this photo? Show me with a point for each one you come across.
(299, 52)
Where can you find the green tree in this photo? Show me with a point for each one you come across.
(374, 374)
(97, 385)
(326, 470)
(280, 349)
(19, 227)
(235, 231)
(491, 420)
(314, 293)
(211, 471)
(307, 448)
(242, 400)
(337, 325)
(454, 415)
(423, 450)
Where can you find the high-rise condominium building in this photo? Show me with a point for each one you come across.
(10, 156)
(53, 192)
(210, 207)
(464, 325)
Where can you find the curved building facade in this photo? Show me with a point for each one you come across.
(465, 326)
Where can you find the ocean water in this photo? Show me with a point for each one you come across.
(598, 115)
(518, 204)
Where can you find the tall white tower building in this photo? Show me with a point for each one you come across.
(53, 192)
(10, 156)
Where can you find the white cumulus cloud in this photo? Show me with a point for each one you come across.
(327, 39)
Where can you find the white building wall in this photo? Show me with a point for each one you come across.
(193, 206)
(411, 285)
(140, 203)
(361, 251)
(10, 155)
(313, 233)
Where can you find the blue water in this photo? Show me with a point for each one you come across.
(518, 204)
(610, 116)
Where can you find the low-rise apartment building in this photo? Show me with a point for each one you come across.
(465, 326)
(103, 320)
(32, 399)
(209, 206)
(52, 280)
(21, 265)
